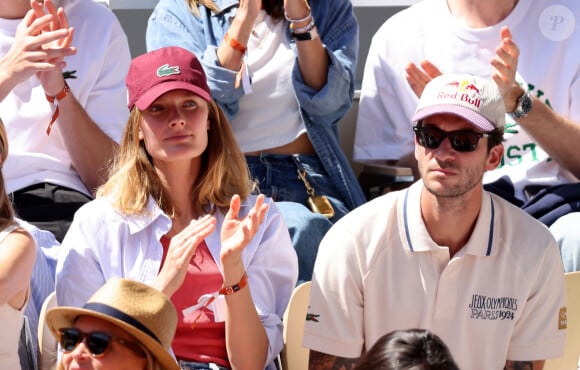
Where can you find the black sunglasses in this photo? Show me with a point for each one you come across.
(462, 140)
(97, 342)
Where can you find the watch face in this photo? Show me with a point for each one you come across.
(526, 104)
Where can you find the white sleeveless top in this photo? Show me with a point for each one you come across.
(11, 321)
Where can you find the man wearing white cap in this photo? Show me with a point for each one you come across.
(444, 254)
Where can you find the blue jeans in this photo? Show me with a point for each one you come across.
(567, 233)
(277, 177)
(188, 365)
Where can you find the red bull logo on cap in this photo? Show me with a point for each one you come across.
(463, 91)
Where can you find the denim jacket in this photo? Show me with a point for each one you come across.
(173, 24)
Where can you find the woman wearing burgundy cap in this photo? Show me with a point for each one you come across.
(283, 71)
(177, 213)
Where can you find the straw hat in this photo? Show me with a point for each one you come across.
(142, 311)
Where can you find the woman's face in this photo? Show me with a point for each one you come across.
(117, 356)
(175, 127)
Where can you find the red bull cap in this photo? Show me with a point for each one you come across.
(473, 98)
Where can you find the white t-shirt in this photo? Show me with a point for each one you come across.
(549, 65)
(269, 114)
(498, 298)
(101, 64)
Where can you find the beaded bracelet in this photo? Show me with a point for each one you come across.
(304, 29)
(235, 44)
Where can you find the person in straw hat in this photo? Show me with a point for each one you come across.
(124, 325)
(178, 213)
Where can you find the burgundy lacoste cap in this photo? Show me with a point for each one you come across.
(476, 99)
(157, 72)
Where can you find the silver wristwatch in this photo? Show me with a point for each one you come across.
(523, 107)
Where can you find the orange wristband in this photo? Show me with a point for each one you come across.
(227, 290)
(54, 101)
(235, 44)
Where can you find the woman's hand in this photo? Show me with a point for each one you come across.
(296, 9)
(236, 233)
(181, 249)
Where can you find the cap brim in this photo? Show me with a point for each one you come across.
(475, 119)
(64, 317)
(145, 100)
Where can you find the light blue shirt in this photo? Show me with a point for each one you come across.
(102, 243)
(172, 24)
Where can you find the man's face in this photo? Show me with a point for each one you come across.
(448, 173)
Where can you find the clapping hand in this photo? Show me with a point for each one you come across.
(181, 249)
(57, 48)
(237, 232)
(40, 44)
(505, 65)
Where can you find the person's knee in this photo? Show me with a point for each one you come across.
(302, 222)
(566, 230)
(306, 230)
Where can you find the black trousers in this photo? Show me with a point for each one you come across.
(48, 206)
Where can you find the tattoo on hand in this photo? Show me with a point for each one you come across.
(519, 365)
(322, 361)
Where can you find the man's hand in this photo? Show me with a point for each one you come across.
(323, 361)
(52, 80)
(505, 65)
(418, 78)
(35, 50)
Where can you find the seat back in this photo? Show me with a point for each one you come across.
(572, 350)
(47, 343)
(294, 356)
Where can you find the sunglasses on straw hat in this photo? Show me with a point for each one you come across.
(98, 343)
(142, 311)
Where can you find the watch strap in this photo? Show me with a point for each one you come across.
(523, 106)
(305, 36)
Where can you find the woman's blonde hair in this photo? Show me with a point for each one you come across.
(223, 171)
(6, 210)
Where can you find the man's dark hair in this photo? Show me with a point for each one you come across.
(404, 349)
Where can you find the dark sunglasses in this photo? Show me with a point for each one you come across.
(97, 342)
(462, 140)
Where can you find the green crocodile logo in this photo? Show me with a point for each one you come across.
(165, 70)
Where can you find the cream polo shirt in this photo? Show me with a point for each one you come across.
(378, 270)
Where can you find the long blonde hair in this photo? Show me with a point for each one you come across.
(223, 171)
(6, 210)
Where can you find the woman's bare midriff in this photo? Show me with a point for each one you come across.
(301, 145)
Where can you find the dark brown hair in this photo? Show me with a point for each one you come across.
(405, 349)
